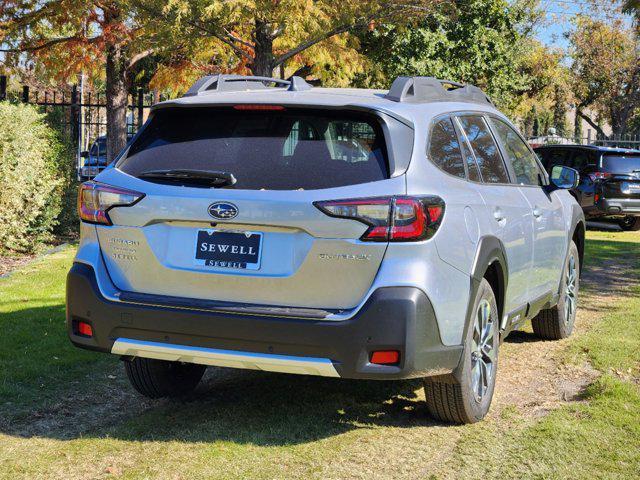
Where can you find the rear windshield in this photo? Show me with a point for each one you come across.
(264, 149)
(620, 163)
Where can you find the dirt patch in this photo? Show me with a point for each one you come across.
(533, 373)
(9, 264)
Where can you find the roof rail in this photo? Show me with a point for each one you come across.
(430, 89)
(238, 83)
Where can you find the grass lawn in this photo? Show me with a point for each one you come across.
(68, 413)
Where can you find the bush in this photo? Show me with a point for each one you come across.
(30, 185)
(68, 223)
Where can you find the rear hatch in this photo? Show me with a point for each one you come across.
(251, 234)
(621, 175)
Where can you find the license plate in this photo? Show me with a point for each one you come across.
(224, 249)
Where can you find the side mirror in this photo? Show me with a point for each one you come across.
(84, 154)
(564, 177)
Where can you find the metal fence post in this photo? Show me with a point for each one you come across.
(75, 116)
(140, 108)
(25, 94)
(3, 87)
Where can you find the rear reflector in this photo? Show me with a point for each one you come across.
(96, 199)
(83, 329)
(258, 107)
(396, 219)
(385, 357)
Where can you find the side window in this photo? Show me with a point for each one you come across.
(580, 160)
(444, 148)
(557, 157)
(543, 157)
(523, 161)
(492, 168)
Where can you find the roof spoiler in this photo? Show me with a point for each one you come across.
(240, 83)
(430, 89)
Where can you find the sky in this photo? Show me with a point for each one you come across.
(559, 15)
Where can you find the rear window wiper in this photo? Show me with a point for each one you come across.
(208, 178)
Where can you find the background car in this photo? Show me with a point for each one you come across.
(94, 160)
(609, 186)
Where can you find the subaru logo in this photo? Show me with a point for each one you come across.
(223, 210)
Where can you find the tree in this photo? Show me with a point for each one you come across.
(606, 72)
(631, 7)
(99, 32)
(546, 98)
(289, 36)
(476, 41)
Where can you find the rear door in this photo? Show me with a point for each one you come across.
(506, 213)
(261, 240)
(545, 212)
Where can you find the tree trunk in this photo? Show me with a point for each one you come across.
(263, 50)
(117, 87)
(588, 119)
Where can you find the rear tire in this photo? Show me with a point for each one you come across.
(557, 322)
(465, 397)
(159, 378)
(630, 224)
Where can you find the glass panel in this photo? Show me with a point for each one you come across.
(490, 162)
(444, 148)
(621, 163)
(273, 150)
(523, 161)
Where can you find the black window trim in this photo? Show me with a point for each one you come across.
(463, 137)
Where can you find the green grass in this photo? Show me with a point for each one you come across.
(67, 413)
(37, 362)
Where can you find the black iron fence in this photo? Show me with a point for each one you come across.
(618, 141)
(80, 114)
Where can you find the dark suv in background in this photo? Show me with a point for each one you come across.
(609, 180)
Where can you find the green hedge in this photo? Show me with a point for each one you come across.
(30, 180)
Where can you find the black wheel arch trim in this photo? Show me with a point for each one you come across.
(490, 249)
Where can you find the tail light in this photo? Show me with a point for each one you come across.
(595, 176)
(396, 219)
(96, 199)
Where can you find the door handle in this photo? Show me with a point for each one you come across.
(498, 215)
(537, 212)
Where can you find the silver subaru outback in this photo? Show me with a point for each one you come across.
(264, 224)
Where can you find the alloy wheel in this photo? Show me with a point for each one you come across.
(570, 295)
(483, 354)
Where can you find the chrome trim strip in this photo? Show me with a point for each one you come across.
(225, 358)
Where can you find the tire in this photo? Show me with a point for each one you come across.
(159, 378)
(630, 224)
(557, 322)
(458, 398)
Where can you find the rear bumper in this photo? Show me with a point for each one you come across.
(618, 206)
(394, 318)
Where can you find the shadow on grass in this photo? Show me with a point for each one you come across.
(275, 410)
(48, 388)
